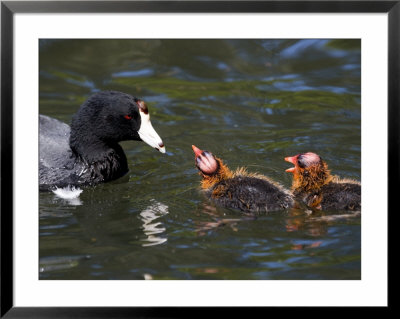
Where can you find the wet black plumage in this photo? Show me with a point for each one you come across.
(249, 194)
(334, 196)
(87, 152)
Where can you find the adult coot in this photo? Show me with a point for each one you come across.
(314, 185)
(249, 192)
(88, 152)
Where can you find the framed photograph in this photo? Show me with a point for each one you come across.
(164, 155)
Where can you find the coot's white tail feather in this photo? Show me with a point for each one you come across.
(68, 192)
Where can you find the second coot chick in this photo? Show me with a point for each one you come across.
(314, 185)
(248, 192)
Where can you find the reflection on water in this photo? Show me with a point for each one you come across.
(68, 201)
(315, 223)
(202, 227)
(312, 223)
(69, 195)
(151, 228)
(335, 217)
(55, 264)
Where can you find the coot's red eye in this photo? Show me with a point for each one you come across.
(128, 117)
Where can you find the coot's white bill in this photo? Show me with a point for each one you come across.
(148, 134)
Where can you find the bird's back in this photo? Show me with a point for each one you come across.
(341, 196)
(251, 194)
(56, 160)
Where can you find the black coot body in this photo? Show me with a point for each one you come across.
(88, 152)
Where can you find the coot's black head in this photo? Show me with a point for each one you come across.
(112, 117)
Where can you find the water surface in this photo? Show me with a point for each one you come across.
(252, 103)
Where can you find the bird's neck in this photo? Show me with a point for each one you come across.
(311, 179)
(106, 161)
(223, 172)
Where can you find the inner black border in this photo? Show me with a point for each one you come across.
(9, 8)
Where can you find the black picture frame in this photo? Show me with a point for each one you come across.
(9, 8)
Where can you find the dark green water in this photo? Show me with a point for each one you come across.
(251, 102)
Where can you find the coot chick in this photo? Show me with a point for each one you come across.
(314, 185)
(88, 152)
(248, 192)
